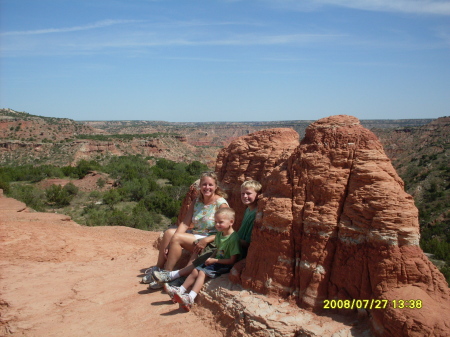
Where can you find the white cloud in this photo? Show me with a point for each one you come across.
(437, 7)
(238, 40)
(406, 6)
(95, 25)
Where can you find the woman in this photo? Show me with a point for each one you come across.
(201, 216)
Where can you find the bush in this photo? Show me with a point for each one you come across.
(144, 219)
(127, 168)
(81, 170)
(31, 196)
(95, 215)
(4, 185)
(161, 202)
(438, 247)
(117, 218)
(195, 168)
(71, 189)
(179, 174)
(58, 196)
(30, 173)
(95, 195)
(101, 182)
(111, 197)
(137, 182)
(135, 189)
(446, 272)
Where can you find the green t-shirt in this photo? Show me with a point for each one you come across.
(245, 231)
(227, 246)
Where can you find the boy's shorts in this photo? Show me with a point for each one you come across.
(215, 270)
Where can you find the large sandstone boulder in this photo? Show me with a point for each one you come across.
(260, 156)
(335, 223)
(190, 197)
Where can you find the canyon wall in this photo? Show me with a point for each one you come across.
(334, 223)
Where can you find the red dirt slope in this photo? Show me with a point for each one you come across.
(62, 279)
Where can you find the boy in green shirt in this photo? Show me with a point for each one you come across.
(250, 191)
(220, 262)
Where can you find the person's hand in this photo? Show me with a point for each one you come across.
(200, 245)
(166, 252)
(210, 261)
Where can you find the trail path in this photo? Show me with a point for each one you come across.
(58, 278)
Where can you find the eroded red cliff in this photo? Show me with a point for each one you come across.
(334, 223)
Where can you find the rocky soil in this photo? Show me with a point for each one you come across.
(62, 279)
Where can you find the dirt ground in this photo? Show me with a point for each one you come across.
(58, 278)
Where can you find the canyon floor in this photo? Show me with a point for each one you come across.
(62, 279)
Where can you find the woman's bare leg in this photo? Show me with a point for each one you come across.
(168, 234)
(177, 243)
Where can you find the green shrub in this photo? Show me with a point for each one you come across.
(446, 272)
(117, 218)
(71, 189)
(144, 219)
(95, 195)
(31, 196)
(81, 169)
(161, 202)
(95, 215)
(30, 173)
(195, 168)
(111, 197)
(4, 185)
(58, 196)
(101, 182)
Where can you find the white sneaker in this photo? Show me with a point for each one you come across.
(185, 301)
(148, 278)
(155, 285)
(171, 291)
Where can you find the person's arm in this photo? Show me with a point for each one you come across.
(202, 243)
(231, 260)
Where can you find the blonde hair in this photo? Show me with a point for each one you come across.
(218, 191)
(256, 185)
(227, 211)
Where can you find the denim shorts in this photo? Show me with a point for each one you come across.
(215, 270)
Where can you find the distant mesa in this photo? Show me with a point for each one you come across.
(31, 139)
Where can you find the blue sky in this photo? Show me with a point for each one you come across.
(225, 60)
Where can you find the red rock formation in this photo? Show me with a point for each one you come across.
(188, 200)
(260, 156)
(335, 223)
